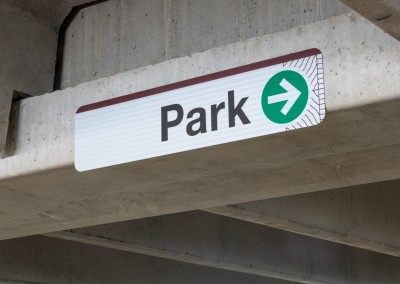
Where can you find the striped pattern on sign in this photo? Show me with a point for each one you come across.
(204, 111)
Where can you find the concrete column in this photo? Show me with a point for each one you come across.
(27, 59)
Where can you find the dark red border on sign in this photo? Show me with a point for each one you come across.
(201, 79)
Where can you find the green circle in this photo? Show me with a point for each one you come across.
(273, 111)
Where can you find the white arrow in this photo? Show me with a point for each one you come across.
(291, 96)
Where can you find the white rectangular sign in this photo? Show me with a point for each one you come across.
(262, 98)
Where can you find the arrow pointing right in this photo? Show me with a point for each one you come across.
(291, 96)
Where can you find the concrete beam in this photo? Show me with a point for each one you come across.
(47, 260)
(209, 240)
(357, 143)
(179, 256)
(383, 13)
(364, 216)
(5, 281)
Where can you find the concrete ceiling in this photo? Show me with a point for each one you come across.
(51, 11)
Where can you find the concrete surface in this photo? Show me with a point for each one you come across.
(48, 261)
(28, 36)
(118, 36)
(49, 12)
(4, 281)
(198, 238)
(357, 143)
(364, 216)
(27, 58)
(383, 13)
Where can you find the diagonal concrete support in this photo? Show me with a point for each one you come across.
(209, 240)
(357, 143)
(5, 281)
(40, 259)
(364, 216)
(180, 256)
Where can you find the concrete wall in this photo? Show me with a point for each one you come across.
(27, 58)
(122, 35)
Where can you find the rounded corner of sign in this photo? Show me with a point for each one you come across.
(78, 110)
(322, 118)
(78, 168)
(316, 51)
